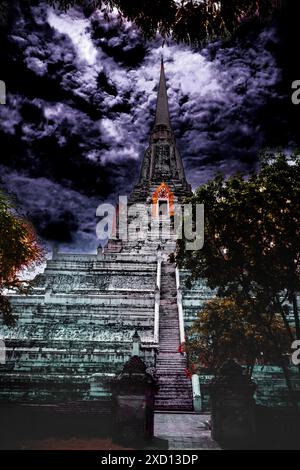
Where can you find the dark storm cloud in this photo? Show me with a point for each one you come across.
(81, 102)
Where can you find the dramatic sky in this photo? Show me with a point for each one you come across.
(80, 105)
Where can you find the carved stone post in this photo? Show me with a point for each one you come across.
(133, 393)
(136, 344)
(232, 406)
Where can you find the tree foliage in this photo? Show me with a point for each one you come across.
(189, 21)
(19, 250)
(252, 236)
(226, 330)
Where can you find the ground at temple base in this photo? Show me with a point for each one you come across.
(173, 431)
(184, 431)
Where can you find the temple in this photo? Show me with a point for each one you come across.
(87, 314)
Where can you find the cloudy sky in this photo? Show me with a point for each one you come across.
(80, 105)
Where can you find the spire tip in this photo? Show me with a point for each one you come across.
(162, 106)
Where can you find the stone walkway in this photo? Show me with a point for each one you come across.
(184, 430)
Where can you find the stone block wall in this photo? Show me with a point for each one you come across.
(78, 321)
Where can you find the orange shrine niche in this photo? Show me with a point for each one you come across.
(162, 194)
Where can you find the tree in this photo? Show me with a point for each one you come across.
(226, 330)
(252, 236)
(19, 250)
(189, 21)
(252, 242)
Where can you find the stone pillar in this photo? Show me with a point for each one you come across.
(55, 250)
(136, 344)
(232, 406)
(180, 316)
(197, 402)
(133, 392)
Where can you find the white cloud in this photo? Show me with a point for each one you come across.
(78, 31)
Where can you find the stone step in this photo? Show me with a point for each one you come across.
(173, 388)
(170, 336)
(165, 343)
(170, 329)
(171, 318)
(175, 385)
(174, 329)
(164, 364)
(173, 406)
(175, 374)
(174, 397)
(170, 332)
(174, 377)
(167, 399)
(169, 389)
(167, 347)
(175, 380)
(172, 356)
(169, 313)
(169, 342)
(183, 400)
(169, 357)
(170, 339)
(170, 322)
(174, 367)
(171, 360)
(169, 310)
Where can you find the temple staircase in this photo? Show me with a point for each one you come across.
(175, 388)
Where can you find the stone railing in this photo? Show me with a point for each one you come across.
(180, 309)
(157, 299)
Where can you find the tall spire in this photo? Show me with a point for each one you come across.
(162, 116)
(162, 161)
